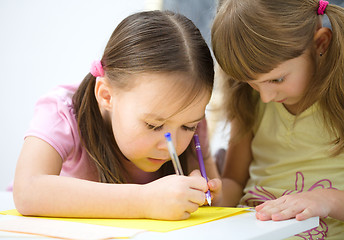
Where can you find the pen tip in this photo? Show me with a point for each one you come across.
(209, 200)
(168, 136)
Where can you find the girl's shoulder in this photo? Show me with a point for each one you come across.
(54, 119)
(61, 93)
(58, 102)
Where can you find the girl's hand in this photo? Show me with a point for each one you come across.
(173, 197)
(215, 187)
(300, 206)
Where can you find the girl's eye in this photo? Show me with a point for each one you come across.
(192, 129)
(278, 80)
(158, 128)
(153, 127)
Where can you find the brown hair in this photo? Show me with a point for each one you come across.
(145, 42)
(253, 37)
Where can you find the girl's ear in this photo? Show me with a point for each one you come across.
(103, 94)
(322, 39)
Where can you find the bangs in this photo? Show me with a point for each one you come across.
(176, 94)
(245, 47)
(185, 92)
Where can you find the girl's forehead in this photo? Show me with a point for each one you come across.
(283, 68)
(168, 104)
(165, 95)
(166, 86)
(170, 111)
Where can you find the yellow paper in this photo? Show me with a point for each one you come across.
(202, 215)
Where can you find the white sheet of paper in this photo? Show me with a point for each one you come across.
(63, 229)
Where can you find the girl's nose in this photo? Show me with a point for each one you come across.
(162, 143)
(267, 95)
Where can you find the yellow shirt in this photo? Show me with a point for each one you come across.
(291, 157)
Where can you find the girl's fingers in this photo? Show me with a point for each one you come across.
(262, 216)
(197, 197)
(198, 183)
(300, 206)
(261, 206)
(195, 172)
(185, 215)
(214, 184)
(192, 207)
(305, 214)
(285, 214)
(271, 210)
(277, 210)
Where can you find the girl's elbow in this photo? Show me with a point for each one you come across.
(23, 199)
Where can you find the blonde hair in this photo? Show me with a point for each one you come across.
(254, 37)
(145, 42)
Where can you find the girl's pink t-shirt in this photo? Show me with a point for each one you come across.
(55, 122)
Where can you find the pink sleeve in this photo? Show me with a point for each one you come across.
(54, 122)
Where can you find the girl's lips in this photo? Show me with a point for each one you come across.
(157, 161)
(280, 101)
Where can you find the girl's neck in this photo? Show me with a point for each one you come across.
(297, 109)
(292, 109)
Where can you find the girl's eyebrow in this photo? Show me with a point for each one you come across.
(198, 120)
(275, 76)
(154, 116)
(262, 80)
(161, 119)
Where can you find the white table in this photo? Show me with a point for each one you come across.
(240, 227)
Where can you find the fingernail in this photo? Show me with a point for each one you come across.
(260, 214)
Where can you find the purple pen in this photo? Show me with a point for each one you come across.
(201, 165)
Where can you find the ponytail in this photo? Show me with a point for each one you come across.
(96, 134)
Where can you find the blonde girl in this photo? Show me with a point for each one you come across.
(284, 99)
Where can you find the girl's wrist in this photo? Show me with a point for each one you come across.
(142, 196)
(335, 198)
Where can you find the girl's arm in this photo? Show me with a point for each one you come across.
(38, 190)
(235, 172)
(319, 202)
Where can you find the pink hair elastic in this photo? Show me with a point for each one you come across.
(97, 69)
(322, 6)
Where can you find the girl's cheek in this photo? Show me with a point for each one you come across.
(184, 143)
